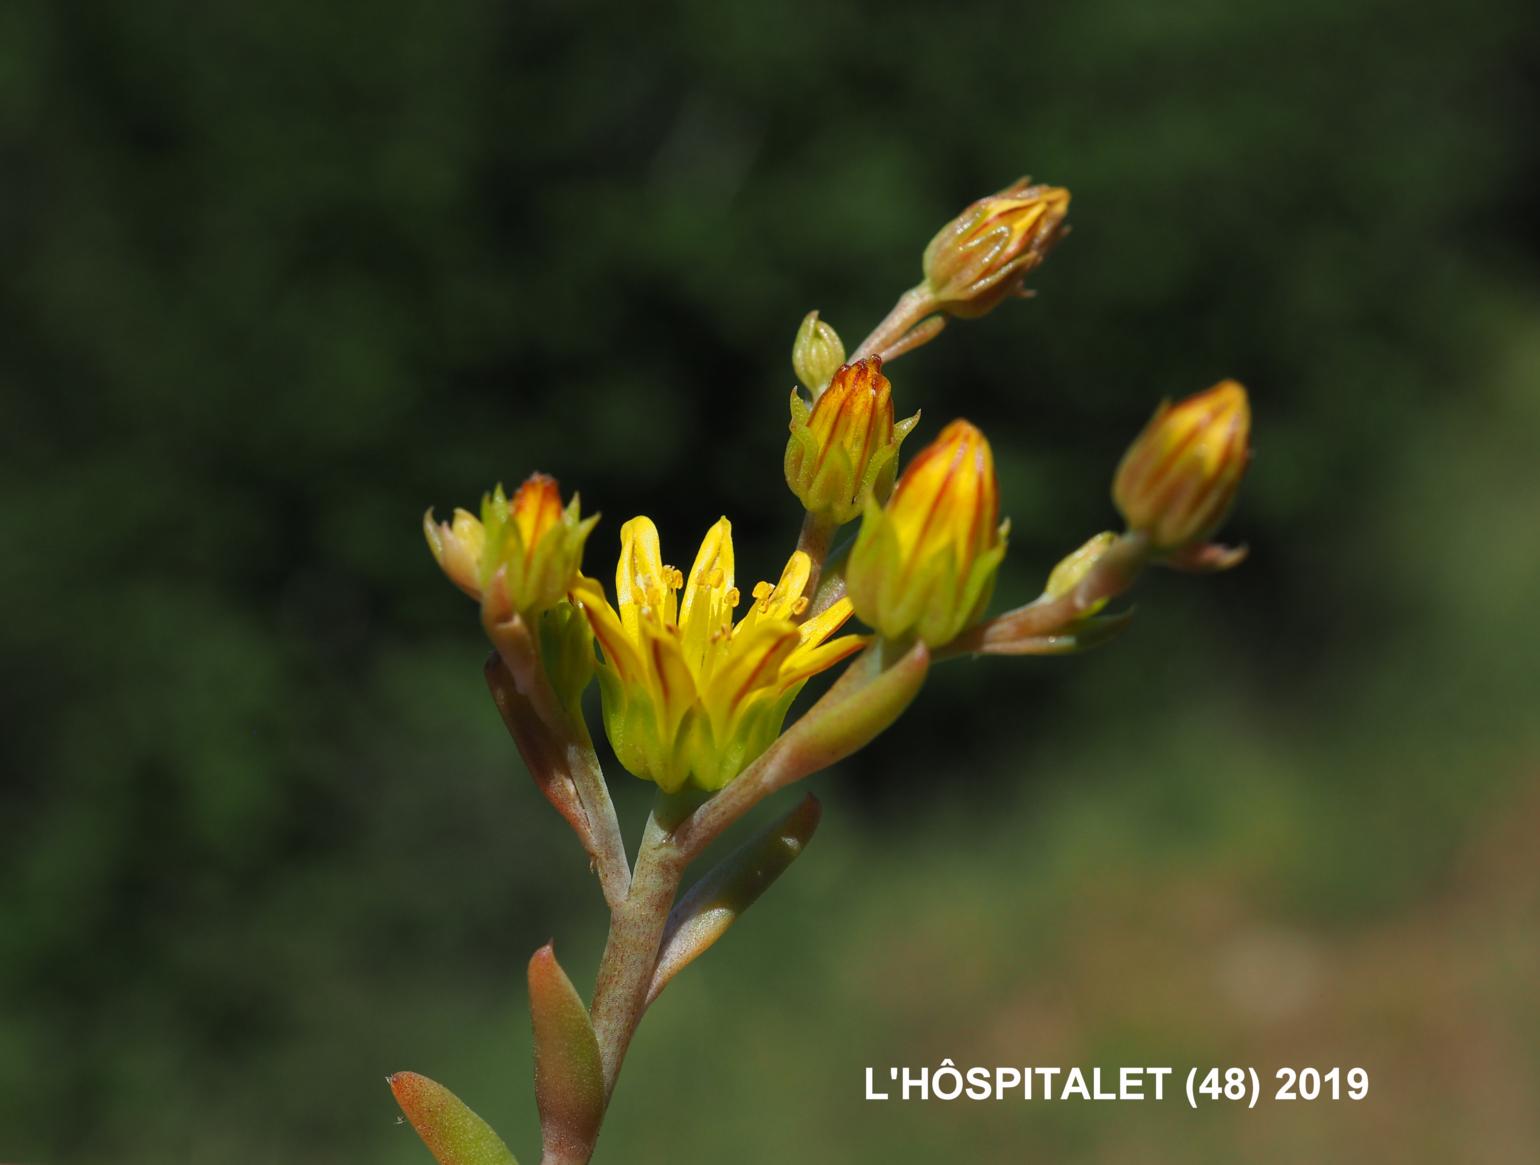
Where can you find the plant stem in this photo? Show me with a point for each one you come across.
(901, 329)
(602, 837)
(631, 952)
(814, 541)
(1114, 573)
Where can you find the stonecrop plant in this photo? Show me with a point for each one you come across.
(697, 678)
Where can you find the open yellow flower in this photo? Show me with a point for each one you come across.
(688, 696)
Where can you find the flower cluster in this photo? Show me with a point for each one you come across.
(696, 683)
(692, 693)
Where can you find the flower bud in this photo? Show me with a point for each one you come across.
(567, 651)
(925, 565)
(816, 353)
(1073, 568)
(982, 256)
(1177, 480)
(525, 551)
(846, 445)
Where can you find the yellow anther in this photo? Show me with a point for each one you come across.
(800, 605)
(731, 598)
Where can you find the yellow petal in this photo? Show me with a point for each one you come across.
(669, 676)
(807, 661)
(753, 663)
(644, 587)
(709, 596)
(620, 650)
(826, 622)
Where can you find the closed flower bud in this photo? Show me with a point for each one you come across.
(845, 446)
(567, 651)
(982, 256)
(524, 551)
(1073, 568)
(925, 564)
(1177, 480)
(816, 353)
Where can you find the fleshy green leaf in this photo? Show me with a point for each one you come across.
(453, 1133)
(569, 1076)
(714, 903)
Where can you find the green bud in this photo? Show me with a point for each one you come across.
(567, 651)
(816, 354)
(1075, 566)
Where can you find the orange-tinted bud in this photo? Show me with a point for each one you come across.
(983, 255)
(528, 549)
(1179, 477)
(925, 565)
(535, 508)
(845, 447)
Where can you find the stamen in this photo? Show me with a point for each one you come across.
(762, 592)
(672, 578)
(800, 605)
(731, 597)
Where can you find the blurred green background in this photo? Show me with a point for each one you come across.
(277, 277)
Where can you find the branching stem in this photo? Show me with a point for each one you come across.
(904, 328)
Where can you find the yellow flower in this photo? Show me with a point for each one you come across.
(983, 255)
(688, 696)
(1178, 478)
(925, 565)
(524, 552)
(846, 445)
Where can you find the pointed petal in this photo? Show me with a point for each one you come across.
(620, 650)
(806, 662)
(644, 587)
(826, 622)
(754, 662)
(709, 594)
(669, 677)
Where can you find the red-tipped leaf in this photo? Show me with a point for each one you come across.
(453, 1133)
(569, 1076)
